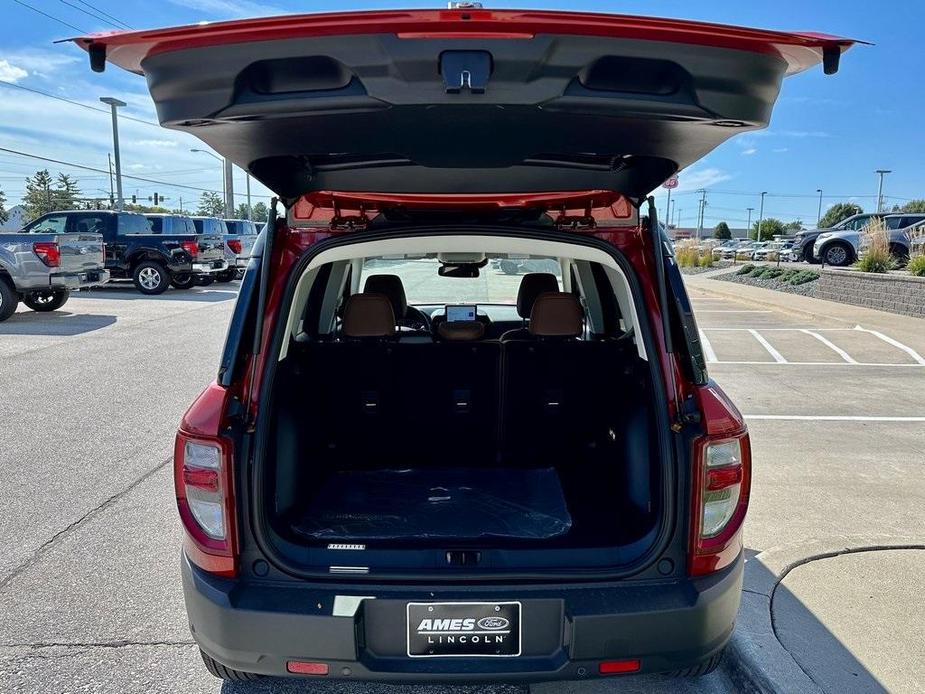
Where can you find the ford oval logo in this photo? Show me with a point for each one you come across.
(493, 623)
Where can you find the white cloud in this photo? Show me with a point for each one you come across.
(230, 8)
(749, 151)
(10, 72)
(694, 179)
(155, 143)
(40, 62)
(781, 149)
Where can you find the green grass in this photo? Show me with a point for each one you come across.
(916, 266)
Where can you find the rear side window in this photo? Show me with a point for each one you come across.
(133, 224)
(55, 224)
(157, 224)
(87, 224)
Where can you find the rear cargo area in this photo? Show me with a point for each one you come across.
(490, 445)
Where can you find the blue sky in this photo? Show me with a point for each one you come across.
(827, 132)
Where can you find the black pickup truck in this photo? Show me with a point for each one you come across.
(151, 259)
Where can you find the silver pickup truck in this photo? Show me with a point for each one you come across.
(41, 270)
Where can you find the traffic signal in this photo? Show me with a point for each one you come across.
(155, 199)
(134, 199)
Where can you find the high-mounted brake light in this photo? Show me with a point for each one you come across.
(204, 486)
(721, 478)
(48, 252)
(234, 245)
(191, 247)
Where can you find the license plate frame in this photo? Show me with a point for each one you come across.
(418, 642)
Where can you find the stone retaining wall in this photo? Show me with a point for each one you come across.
(897, 293)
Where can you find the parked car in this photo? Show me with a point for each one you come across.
(804, 240)
(216, 227)
(242, 234)
(840, 248)
(720, 250)
(204, 260)
(771, 250)
(44, 263)
(359, 502)
(519, 266)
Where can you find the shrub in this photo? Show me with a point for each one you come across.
(745, 269)
(916, 266)
(875, 240)
(773, 273)
(759, 271)
(706, 260)
(686, 254)
(803, 276)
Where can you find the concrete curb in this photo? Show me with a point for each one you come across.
(756, 661)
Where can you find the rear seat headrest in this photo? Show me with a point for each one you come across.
(531, 286)
(461, 331)
(392, 287)
(368, 315)
(556, 314)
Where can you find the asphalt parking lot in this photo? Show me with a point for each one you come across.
(89, 589)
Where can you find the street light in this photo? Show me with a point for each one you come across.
(113, 105)
(748, 225)
(819, 214)
(224, 176)
(881, 173)
(761, 214)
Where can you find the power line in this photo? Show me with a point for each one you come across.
(51, 17)
(105, 14)
(98, 14)
(76, 103)
(105, 171)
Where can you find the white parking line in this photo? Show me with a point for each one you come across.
(729, 310)
(777, 356)
(896, 343)
(832, 418)
(819, 363)
(707, 348)
(835, 348)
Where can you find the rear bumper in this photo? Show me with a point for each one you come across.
(209, 268)
(78, 280)
(568, 630)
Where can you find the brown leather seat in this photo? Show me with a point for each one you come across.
(368, 316)
(556, 315)
(531, 286)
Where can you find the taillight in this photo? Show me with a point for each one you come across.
(203, 484)
(234, 245)
(191, 247)
(48, 252)
(721, 480)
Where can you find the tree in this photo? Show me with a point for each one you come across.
(795, 225)
(211, 205)
(260, 212)
(242, 211)
(721, 231)
(770, 228)
(913, 206)
(838, 212)
(66, 192)
(37, 199)
(4, 215)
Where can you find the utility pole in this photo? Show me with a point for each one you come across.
(674, 204)
(748, 226)
(250, 211)
(881, 173)
(112, 194)
(229, 189)
(678, 222)
(819, 213)
(703, 204)
(761, 214)
(113, 105)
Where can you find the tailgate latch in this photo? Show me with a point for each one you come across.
(465, 70)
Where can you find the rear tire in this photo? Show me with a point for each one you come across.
(46, 301)
(150, 278)
(205, 281)
(703, 668)
(9, 300)
(182, 281)
(226, 673)
(900, 255)
(808, 255)
(227, 275)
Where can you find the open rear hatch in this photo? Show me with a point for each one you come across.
(465, 100)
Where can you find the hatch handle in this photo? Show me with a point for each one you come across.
(465, 70)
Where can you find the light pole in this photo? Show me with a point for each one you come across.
(761, 214)
(224, 176)
(674, 203)
(703, 204)
(819, 213)
(250, 211)
(881, 173)
(748, 225)
(113, 105)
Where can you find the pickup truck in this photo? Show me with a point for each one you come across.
(151, 259)
(241, 237)
(212, 259)
(216, 226)
(42, 266)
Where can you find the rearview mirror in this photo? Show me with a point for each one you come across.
(468, 270)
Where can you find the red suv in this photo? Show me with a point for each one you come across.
(413, 465)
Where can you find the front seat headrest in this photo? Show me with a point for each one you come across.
(556, 314)
(390, 286)
(368, 315)
(531, 286)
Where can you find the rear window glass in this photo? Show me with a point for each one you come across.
(133, 224)
(497, 283)
(50, 225)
